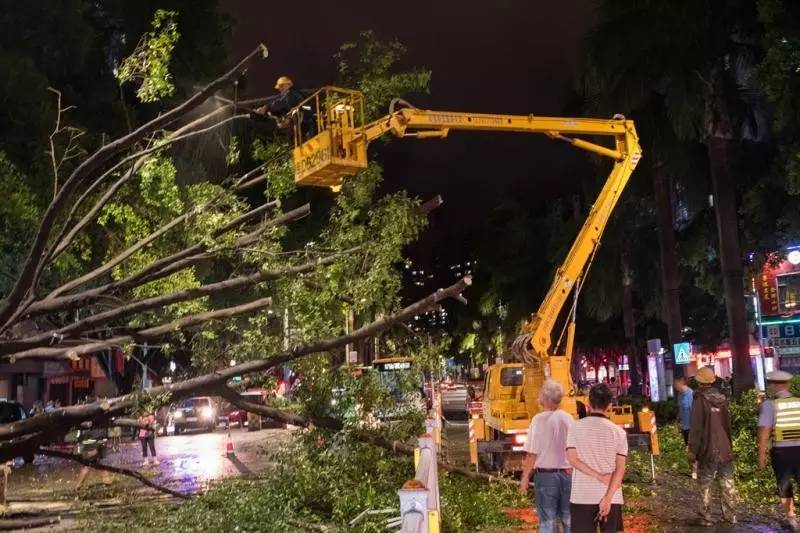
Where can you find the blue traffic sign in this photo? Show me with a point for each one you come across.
(683, 353)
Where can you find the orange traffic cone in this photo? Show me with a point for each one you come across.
(229, 447)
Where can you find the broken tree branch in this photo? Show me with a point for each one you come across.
(158, 269)
(138, 476)
(138, 159)
(334, 424)
(155, 332)
(43, 428)
(31, 269)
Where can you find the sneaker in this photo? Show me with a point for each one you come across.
(694, 475)
(146, 462)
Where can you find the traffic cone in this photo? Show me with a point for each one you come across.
(229, 447)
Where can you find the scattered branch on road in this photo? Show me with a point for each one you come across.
(46, 427)
(114, 470)
(14, 524)
(333, 424)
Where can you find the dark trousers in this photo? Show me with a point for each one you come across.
(706, 472)
(148, 441)
(584, 519)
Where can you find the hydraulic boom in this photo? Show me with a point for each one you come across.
(339, 149)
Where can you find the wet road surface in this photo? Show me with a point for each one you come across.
(187, 462)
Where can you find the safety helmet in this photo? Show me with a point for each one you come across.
(705, 375)
(283, 80)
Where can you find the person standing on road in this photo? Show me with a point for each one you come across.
(685, 400)
(597, 449)
(780, 419)
(147, 436)
(546, 456)
(710, 446)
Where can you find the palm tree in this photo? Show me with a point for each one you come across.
(675, 57)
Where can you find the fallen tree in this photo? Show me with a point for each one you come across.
(124, 256)
(18, 437)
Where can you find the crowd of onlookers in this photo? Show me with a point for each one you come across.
(577, 467)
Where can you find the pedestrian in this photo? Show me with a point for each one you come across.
(613, 386)
(685, 398)
(780, 419)
(546, 456)
(710, 446)
(91, 444)
(115, 437)
(597, 450)
(147, 437)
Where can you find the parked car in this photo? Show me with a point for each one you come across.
(199, 412)
(14, 412)
(230, 415)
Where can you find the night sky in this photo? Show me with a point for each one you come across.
(504, 56)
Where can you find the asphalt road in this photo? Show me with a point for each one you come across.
(187, 462)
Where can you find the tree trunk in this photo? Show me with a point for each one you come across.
(719, 135)
(670, 275)
(629, 324)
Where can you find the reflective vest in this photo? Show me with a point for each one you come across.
(787, 419)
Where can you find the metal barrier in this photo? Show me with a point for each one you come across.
(419, 497)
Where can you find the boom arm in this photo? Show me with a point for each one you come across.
(339, 148)
(625, 153)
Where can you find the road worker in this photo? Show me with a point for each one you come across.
(711, 447)
(780, 419)
(282, 107)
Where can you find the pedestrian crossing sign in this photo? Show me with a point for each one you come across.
(683, 353)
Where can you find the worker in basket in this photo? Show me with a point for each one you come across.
(283, 108)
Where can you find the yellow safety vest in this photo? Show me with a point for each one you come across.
(787, 419)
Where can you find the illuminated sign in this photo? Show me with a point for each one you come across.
(652, 372)
(683, 353)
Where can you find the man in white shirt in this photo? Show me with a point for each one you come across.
(597, 449)
(546, 455)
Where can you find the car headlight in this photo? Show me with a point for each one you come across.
(177, 414)
(207, 412)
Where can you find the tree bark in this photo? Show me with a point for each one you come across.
(629, 324)
(670, 275)
(719, 136)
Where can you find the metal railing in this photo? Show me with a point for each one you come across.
(419, 497)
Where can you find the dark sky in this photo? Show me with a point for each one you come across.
(499, 56)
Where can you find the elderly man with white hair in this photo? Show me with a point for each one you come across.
(546, 457)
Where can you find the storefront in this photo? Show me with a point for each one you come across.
(778, 288)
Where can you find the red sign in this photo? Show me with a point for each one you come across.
(766, 284)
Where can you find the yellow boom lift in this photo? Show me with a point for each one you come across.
(338, 148)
